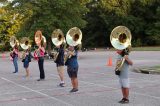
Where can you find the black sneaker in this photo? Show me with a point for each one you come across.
(15, 72)
(124, 101)
(40, 80)
(62, 84)
(74, 90)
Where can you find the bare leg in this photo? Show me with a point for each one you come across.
(123, 93)
(72, 81)
(126, 93)
(61, 73)
(75, 81)
(27, 72)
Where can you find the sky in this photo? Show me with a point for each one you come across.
(7, 0)
(10, 0)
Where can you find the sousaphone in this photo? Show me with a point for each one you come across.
(14, 41)
(25, 43)
(39, 40)
(58, 39)
(120, 39)
(74, 36)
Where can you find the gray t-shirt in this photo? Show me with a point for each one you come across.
(125, 68)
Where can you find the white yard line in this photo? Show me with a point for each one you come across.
(52, 89)
(155, 97)
(115, 89)
(15, 93)
(141, 80)
(36, 91)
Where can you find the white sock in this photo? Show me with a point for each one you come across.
(62, 81)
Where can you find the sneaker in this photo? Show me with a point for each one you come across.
(124, 101)
(62, 84)
(15, 72)
(74, 90)
(40, 80)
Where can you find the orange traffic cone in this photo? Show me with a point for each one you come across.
(3, 56)
(109, 61)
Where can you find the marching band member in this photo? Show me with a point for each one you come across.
(72, 67)
(120, 38)
(124, 75)
(60, 64)
(39, 53)
(26, 59)
(58, 40)
(14, 56)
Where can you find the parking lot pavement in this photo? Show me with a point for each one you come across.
(98, 86)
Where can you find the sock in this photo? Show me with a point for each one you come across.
(62, 81)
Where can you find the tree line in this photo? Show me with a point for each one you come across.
(96, 18)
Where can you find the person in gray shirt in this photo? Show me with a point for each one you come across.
(124, 75)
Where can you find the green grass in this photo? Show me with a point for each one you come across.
(157, 48)
(155, 68)
(146, 48)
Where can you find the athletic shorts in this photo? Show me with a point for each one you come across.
(72, 72)
(60, 69)
(124, 82)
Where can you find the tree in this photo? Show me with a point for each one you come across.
(95, 30)
(147, 11)
(9, 25)
(48, 15)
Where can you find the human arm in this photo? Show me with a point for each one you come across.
(128, 60)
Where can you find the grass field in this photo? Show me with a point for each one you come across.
(157, 68)
(156, 48)
(146, 48)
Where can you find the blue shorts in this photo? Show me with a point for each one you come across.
(26, 64)
(72, 72)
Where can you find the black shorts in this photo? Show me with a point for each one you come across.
(72, 72)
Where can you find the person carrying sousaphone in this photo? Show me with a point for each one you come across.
(58, 41)
(14, 54)
(72, 67)
(73, 38)
(60, 64)
(26, 60)
(124, 74)
(40, 52)
(121, 40)
(26, 55)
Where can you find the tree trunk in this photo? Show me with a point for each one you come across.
(49, 46)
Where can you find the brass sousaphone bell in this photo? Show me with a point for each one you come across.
(120, 39)
(74, 36)
(57, 38)
(39, 40)
(25, 43)
(14, 41)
